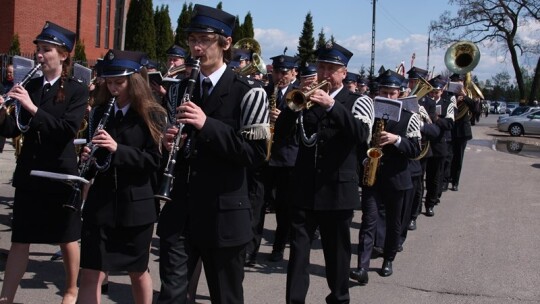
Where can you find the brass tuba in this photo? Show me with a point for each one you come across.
(421, 88)
(461, 58)
(298, 100)
(256, 65)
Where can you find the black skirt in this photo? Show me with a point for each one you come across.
(116, 249)
(40, 218)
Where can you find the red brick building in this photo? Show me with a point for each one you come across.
(99, 24)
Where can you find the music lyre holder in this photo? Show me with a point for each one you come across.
(72, 180)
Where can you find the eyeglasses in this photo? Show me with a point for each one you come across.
(203, 41)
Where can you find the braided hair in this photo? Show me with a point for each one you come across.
(66, 70)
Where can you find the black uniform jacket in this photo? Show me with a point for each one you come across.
(122, 195)
(284, 148)
(326, 173)
(445, 121)
(48, 144)
(462, 127)
(210, 194)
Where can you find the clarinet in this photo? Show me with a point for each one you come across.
(165, 189)
(75, 200)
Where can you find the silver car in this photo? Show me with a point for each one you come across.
(528, 123)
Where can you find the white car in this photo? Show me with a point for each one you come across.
(528, 123)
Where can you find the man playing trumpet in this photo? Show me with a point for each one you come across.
(325, 174)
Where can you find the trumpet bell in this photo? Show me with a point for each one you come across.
(462, 57)
(298, 100)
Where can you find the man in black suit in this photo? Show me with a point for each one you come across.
(439, 146)
(399, 141)
(283, 155)
(226, 130)
(326, 178)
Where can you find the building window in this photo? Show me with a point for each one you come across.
(107, 23)
(119, 25)
(98, 24)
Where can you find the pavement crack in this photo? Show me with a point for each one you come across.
(476, 295)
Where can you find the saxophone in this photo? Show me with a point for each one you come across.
(374, 155)
(272, 104)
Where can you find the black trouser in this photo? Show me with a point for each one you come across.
(458, 147)
(416, 207)
(393, 203)
(447, 164)
(173, 271)
(284, 184)
(256, 197)
(334, 227)
(408, 203)
(434, 175)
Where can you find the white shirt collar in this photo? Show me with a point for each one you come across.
(214, 77)
(52, 82)
(124, 109)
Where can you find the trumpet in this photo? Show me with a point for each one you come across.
(175, 70)
(298, 100)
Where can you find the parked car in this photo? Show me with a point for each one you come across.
(511, 106)
(518, 111)
(528, 123)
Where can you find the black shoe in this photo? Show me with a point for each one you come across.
(276, 256)
(251, 260)
(104, 288)
(386, 270)
(412, 225)
(454, 187)
(444, 187)
(376, 252)
(430, 212)
(359, 275)
(56, 256)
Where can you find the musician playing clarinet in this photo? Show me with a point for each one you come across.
(119, 212)
(226, 128)
(51, 110)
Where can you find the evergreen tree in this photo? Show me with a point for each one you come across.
(140, 30)
(180, 38)
(306, 43)
(247, 26)
(164, 34)
(15, 47)
(321, 41)
(80, 55)
(238, 31)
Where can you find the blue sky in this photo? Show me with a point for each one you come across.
(401, 30)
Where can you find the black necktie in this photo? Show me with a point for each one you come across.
(118, 117)
(206, 86)
(46, 89)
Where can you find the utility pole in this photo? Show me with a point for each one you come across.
(372, 67)
(428, 47)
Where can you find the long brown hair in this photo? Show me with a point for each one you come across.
(143, 102)
(66, 70)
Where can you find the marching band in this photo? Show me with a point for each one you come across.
(203, 153)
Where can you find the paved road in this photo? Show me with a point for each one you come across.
(482, 246)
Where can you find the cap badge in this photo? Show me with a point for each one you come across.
(329, 45)
(46, 25)
(111, 56)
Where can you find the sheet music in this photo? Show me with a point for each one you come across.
(387, 108)
(82, 73)
(21, 67)
(410, 103)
